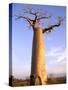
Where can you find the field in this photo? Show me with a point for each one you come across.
(50, 80)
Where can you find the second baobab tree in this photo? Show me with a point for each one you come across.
(35, 18)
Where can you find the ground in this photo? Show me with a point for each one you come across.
(50, 80)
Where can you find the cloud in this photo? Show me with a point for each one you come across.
(56, 60)
(56, 55)
(61, 58)
(55, 51)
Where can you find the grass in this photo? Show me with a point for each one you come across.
(50, 80)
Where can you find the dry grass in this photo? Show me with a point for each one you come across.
(56, 80)
(17, 82)
(50, 80)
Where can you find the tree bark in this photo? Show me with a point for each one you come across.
(38, 68)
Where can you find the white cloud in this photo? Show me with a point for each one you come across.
(56, 55)
(55, 51)
(56, 60)
(61, 58)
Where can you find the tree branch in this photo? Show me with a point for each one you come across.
(37, 14)
(35, 19)
(34, 13)
(30, 11)
(44, 18)
(53, 26)
(26, 18)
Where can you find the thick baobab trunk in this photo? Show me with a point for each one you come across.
(38, 70)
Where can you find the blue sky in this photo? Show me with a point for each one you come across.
(55, 42)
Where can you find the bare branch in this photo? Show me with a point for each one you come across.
(53, 26)
(37, 16)
(44, 18)
(26, 18)
(30, 11)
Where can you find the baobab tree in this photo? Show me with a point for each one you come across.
(33, 18)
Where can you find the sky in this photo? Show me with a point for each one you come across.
(55, 42)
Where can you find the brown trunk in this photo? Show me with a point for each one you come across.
(38, 69)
